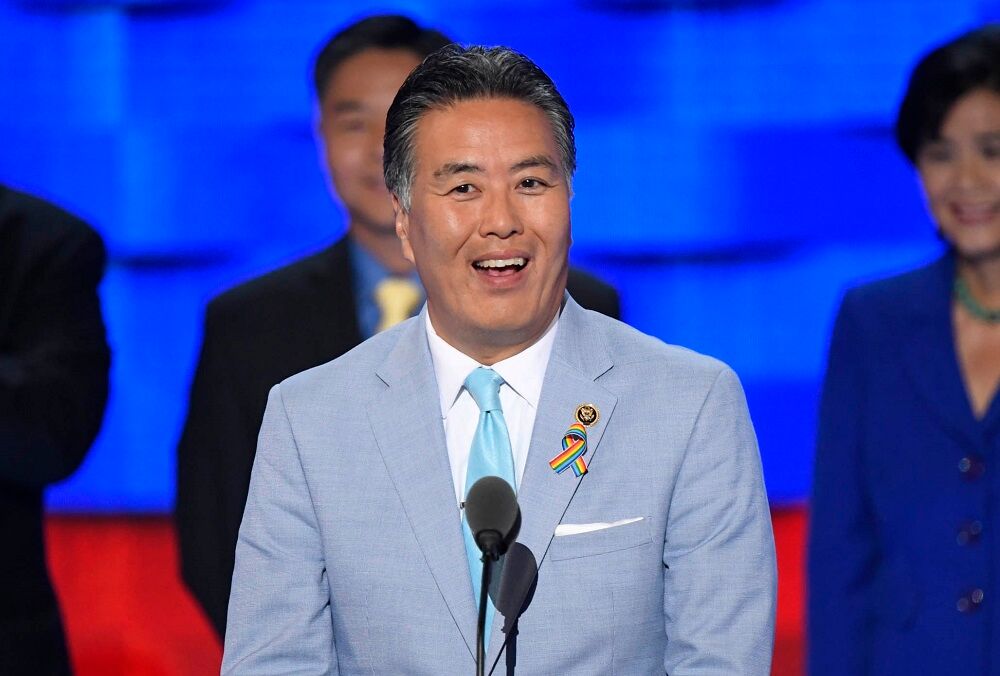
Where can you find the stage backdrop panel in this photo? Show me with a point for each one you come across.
(737, 172)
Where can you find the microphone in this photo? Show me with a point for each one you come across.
(494, 518)
(492, 513)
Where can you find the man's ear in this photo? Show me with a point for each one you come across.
(402, 218)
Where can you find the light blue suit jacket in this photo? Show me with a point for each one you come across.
(350, 557)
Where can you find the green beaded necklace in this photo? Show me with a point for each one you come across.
(964, 297)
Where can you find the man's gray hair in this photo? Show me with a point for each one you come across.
(453, 74)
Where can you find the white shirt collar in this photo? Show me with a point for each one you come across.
(523, 372)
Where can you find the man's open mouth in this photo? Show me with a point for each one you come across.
(500, 266)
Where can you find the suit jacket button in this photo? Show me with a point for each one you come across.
(972, 467)
(971, 602)
(969, 532)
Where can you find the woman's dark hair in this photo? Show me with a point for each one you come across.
(942, 77)
(387, 31)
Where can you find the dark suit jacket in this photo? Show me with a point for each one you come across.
(256, 335)
(905, 496)
(53, 385)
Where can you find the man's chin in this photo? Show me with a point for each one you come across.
(511, 329)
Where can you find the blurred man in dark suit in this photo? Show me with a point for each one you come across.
(54, 362)
(311, 311)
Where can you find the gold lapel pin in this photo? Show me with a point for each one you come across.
(587, 414)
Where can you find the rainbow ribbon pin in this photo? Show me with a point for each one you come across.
(574, 445)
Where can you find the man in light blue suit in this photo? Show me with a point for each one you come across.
(654, 549)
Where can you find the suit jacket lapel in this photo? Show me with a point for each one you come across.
(407, 425)
(929, 354)
(578, 358)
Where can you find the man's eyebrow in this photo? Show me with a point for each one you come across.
(345, 106)
(452, 168)
(534, 161)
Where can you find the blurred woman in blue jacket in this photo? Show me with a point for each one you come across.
(904, 553)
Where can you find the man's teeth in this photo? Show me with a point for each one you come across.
(501, 263)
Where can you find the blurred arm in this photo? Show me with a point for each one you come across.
(213, 459)
(54, 362)
(842, 543)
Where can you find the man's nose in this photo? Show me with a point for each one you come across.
(970, 171)
(500, 217)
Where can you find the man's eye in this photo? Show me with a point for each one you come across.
(350, 125)
(463, 189)
(531, 184)
(935, 153)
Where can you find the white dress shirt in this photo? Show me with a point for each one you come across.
(523, 374)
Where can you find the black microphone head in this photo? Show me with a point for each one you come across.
(518, 578)
(492, 513)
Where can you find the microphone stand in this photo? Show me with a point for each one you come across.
(511, 645)
(490, 542)
(484, 598)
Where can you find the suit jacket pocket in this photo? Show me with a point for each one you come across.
(602, 541)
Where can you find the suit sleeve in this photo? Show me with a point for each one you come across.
(720, 574)
(212, 473)
(54, 364)
(842, 545)
(279, 615)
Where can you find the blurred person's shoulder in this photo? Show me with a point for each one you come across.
(31, 224)
(911, 294)
(287, 293)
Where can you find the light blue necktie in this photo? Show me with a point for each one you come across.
(490, 455)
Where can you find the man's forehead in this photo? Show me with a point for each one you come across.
(371, 71)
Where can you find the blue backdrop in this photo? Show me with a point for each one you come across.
(736, 173)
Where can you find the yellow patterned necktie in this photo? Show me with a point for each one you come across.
(396, 298)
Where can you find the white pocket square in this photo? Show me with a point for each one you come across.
(579, 528)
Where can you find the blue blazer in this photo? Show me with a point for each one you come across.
(350, 558)
(903, 560)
